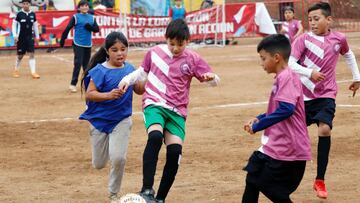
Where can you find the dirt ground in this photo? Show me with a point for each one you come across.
(45, 150)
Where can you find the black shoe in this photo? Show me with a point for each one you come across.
(148, 195)
(160, 201)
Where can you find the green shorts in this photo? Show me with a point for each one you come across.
(169, 120)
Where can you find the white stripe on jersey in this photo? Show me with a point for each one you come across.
(310, 64)
(314, 49)
(156, 82)
(161, 64)
(308, 83)
(286, 28)
(156, 95)
(166, 50)
(319, 38)
(306, 98)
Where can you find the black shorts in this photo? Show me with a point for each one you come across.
(274, 178)
(25, 45)
(320, 110)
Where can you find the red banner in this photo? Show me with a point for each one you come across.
(208, 23)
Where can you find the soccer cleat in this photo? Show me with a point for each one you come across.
(16, 74)
(72, 89)
(113, 197)
(319, 187)
(148, 195)
(35, 75)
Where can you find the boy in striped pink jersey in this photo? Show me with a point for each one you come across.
(291, 28)
(314, 57)
(168, 69)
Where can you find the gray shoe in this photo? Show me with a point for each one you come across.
(113, 197)
(148, 195)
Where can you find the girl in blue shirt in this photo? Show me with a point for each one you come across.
(109, 108)
(178, 11)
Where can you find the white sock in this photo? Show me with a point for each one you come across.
(17, 63)
(32, 65)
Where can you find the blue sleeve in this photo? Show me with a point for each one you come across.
(284, 111)
(260, 116)
(98, 77)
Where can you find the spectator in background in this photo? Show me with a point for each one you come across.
(108, 3)
(51, 6)
(98, 6)
(84, 24)
(207, 4)
(177, 11)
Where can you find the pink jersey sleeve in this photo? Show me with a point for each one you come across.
(344, 46)
(287, 90)
(200, 68)
(146, 64)
(298, 47)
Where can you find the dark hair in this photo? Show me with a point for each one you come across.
(289, 8)
(276, 43)
(83, 2)
(177, 29)
(101, 55)
(23, 1)
(323, 6)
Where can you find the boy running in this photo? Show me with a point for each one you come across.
(314, 57)
(277, 167)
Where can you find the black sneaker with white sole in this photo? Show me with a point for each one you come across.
(148, 195)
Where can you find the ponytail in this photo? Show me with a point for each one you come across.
(99, 57)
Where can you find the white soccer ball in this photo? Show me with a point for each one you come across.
(131, 198)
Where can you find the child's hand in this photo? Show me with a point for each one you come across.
(248, 125)
(123, 86)
(354, 87)
(208, 76)
(317, 76)
(115, 93)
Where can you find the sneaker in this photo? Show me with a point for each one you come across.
(35, 75)
(319, 187)
(113, 197)
(16, 74)
(160, 201)
(72, 88)
(148, 195)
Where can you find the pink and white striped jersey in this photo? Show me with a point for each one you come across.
(287, 140)
(169, 77)
(320, 53)
(291, 28)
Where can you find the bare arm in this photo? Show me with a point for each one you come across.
(92, 94)
(300, 31)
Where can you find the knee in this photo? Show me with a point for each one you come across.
(324, 130)
(98, 164)
(155, 137)
(118, 161)
(173, 153)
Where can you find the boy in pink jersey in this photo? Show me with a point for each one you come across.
(168, 69)
(277, 167)
(291, 28)
(314, 57)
